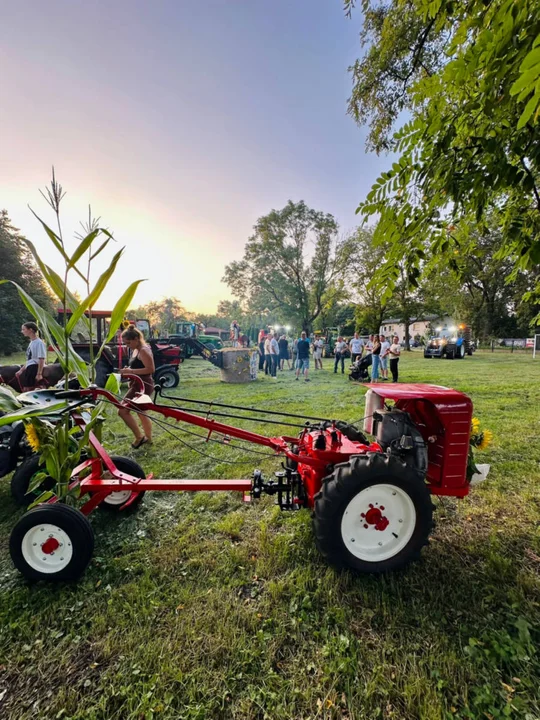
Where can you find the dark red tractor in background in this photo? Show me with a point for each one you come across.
(167, 356)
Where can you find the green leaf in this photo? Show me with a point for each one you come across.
(525, 79)
(54, 335)
(36, 481)
(57, 242)
(530, 107)
(83, 247)
(121, 307)
(30, 412)
(8, 401)
(47, 495)
(101, 247)
(532, 58)
(91, 300)
(113, 383)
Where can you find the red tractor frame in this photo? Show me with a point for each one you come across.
(370, 497)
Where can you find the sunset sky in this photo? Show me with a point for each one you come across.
(180, 122)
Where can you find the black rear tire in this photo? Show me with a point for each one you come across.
(117, 501)
(62, 525)
(168, 378)
(22, 477)
(386, 487)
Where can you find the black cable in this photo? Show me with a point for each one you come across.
(164, 425)
(237, 417)
(240, 407)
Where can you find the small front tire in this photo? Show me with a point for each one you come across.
(52, 543)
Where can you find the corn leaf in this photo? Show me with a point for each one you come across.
(58, 244)
(119, 312)
(83, 246)
(91, 300)
(54, 335)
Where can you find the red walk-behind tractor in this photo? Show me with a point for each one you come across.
(370, 497)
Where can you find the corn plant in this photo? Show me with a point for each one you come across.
(60, 453)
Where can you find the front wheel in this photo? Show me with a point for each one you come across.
(373, 514)
(52, 542)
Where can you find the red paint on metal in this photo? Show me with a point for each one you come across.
(105, 486)
(50, 545)
(443, 417)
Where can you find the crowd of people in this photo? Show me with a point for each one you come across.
(378, 351)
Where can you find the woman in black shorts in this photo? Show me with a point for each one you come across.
(141, 364)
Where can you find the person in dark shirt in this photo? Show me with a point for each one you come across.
(283, 352)
(302, 358)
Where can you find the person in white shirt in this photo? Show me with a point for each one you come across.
(274, 355)
(317, 353)
(36, 354)
(385, 347)
(356, 346)
(393, 353)
(340, 351)
(369, 345)
(267, 355)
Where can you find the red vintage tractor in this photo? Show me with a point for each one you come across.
(370, 497)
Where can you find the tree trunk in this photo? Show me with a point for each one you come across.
(407, 321)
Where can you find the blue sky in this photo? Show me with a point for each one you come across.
(181, 123)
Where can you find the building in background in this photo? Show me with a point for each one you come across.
(419, 327)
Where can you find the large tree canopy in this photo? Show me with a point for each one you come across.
(17, 264)
(473, 141)
(293, 262)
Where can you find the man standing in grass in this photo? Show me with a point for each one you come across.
(302, 357)
(274, 355)
(356, 346)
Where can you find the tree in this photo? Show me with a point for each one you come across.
(402, 48)
(293, 263)
(489, 302)
(472, 144)
(365, 260)
(18, 265)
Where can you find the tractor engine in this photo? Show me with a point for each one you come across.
(397, 434)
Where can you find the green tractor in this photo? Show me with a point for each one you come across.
(186, 329)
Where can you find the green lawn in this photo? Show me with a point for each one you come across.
(199, 607)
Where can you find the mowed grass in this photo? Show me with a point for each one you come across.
(198, 606)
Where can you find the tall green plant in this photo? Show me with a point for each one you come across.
(92, 243)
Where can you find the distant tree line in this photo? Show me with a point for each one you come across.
(16, 263)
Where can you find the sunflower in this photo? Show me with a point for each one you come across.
(32, 437)
(487, 437)
(475, 426)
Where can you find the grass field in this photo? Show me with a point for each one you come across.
(199, 607)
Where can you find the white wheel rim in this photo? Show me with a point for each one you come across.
(378, 523)
(47, 548)
(117, 498)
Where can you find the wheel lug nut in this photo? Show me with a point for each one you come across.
(380, 543)
(400, 521)
(362, 514)
(382, 507)
(366, 526)
(371, 505)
